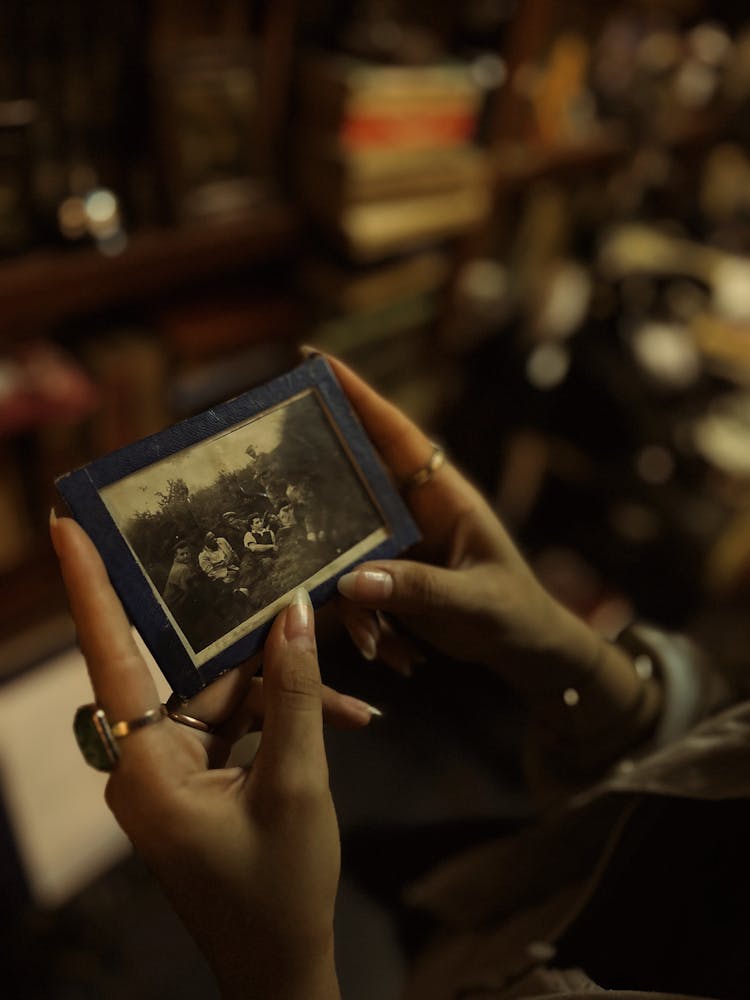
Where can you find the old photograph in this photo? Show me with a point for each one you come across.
(226, 529)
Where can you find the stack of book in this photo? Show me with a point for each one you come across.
(380, 318)
(220, 346)
(365, 306)
(385, 158)
(206, 102)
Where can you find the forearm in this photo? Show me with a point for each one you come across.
(270, 980)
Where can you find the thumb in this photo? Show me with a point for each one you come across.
(292, 750)
(410, 588)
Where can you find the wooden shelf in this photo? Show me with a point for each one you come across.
(43, 287)
(517, 164)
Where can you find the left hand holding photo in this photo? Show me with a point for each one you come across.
(249, 857)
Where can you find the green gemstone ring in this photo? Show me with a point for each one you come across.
(97, 738)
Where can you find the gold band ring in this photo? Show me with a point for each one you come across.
(191, 721)
(427, 471)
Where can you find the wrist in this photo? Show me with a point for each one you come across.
(581, 688)
(583, 728)
(271, 977)
(555, 650)
(614, 703)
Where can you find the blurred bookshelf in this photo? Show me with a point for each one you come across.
(440, 197)
(44, 287)
(526, 222)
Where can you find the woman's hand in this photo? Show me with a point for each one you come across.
(249, 858)
(470, 595)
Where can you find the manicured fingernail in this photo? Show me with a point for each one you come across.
(362, 709)
(53, 527)
(369, 585)
(365, 642)
(367, 646)
(298, 625)
(308, 351)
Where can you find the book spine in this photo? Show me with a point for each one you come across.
(408, 132)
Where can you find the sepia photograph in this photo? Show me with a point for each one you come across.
(209, 526)
(227, 529)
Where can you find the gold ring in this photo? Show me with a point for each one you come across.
(427, 471)
(121, 729)
(97, 738)
(191, 721)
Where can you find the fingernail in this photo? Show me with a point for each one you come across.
(365, 642)
(369, 585)
(308, 351)
(366, 711)
(52, 527)
(298, 625)
(367, 646)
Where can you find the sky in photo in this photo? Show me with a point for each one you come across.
(198, 466)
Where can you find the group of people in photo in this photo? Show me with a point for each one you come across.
(237, 553)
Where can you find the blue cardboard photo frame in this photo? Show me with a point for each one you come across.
(207, 527)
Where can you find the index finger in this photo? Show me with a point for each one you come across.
(122, 682)
(403, 445)
(439, 504)
(292, 754)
